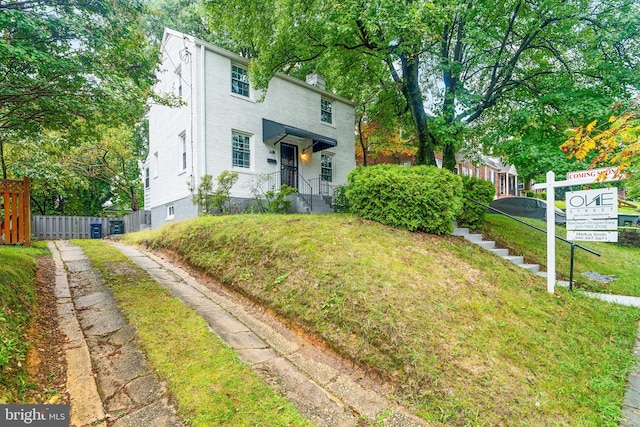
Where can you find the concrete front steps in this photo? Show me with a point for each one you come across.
(491, 246)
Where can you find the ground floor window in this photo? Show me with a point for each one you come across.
(326, 167)
(241, 150)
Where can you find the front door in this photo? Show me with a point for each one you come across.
(289, 165)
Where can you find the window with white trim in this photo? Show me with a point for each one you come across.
(182, 138)
(326, 167)
(326, 114)
(170, 212)
(241, 150)
(146, 177)
(239, 81)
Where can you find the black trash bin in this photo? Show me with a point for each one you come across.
(96, 230)
(116, 226)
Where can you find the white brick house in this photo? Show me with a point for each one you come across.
(298, 133)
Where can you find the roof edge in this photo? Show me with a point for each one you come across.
(245, 61)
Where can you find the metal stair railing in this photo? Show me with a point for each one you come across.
(305, 191)
(322, 187)
(573, 245)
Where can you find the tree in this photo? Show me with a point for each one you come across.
(69, 66)
(459, 60)
(615, 143)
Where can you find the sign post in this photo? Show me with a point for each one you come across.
(591, 206)
(551, 232)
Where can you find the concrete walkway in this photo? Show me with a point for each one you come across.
(109, 381)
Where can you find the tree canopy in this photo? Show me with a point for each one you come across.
(450, 63)
(69, 68)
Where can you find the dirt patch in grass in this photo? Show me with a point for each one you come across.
(46, 362)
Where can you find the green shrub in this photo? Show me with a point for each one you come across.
(210, 200)
(420, 198)
(278, 202)
(529, 193)
(472, 214)
(340, 202)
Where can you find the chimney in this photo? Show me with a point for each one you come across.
(316, 80)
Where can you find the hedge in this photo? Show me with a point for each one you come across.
(472, 214)
(420, 198)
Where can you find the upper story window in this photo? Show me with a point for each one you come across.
(241, 150)
(183, 151)
(326, 168)
(239, 81)
(146, 177)
(326, 114)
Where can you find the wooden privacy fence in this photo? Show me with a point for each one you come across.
(50, 227)
(15, 212)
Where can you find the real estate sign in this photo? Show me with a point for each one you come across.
(592, 204)
(591, 214)
(591, 175)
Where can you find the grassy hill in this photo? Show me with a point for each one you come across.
(615, 261)
(464, 337)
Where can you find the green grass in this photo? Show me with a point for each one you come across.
(615, 260)
(17, 306)
(211, 385)
(462, 336)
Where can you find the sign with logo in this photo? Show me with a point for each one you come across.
(34, 415)
(592, 214)
(592, 204)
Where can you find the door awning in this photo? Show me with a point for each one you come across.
(273, 132)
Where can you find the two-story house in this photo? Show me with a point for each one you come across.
(294, 133)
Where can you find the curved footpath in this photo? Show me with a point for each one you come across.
(110, 383)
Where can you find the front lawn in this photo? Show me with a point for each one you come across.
(461, 336)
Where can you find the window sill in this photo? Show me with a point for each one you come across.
(244, 98)
(182, 172)
(331, 125)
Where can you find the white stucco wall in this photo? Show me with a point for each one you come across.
(168, 179)
(209, 134)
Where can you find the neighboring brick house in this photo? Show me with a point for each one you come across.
(296, 133)
(504, 177)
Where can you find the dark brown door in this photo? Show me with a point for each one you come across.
(289, 165)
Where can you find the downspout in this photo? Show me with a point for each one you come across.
(192, 180)
(203, 111)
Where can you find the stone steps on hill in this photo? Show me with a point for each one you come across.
(490, 245)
